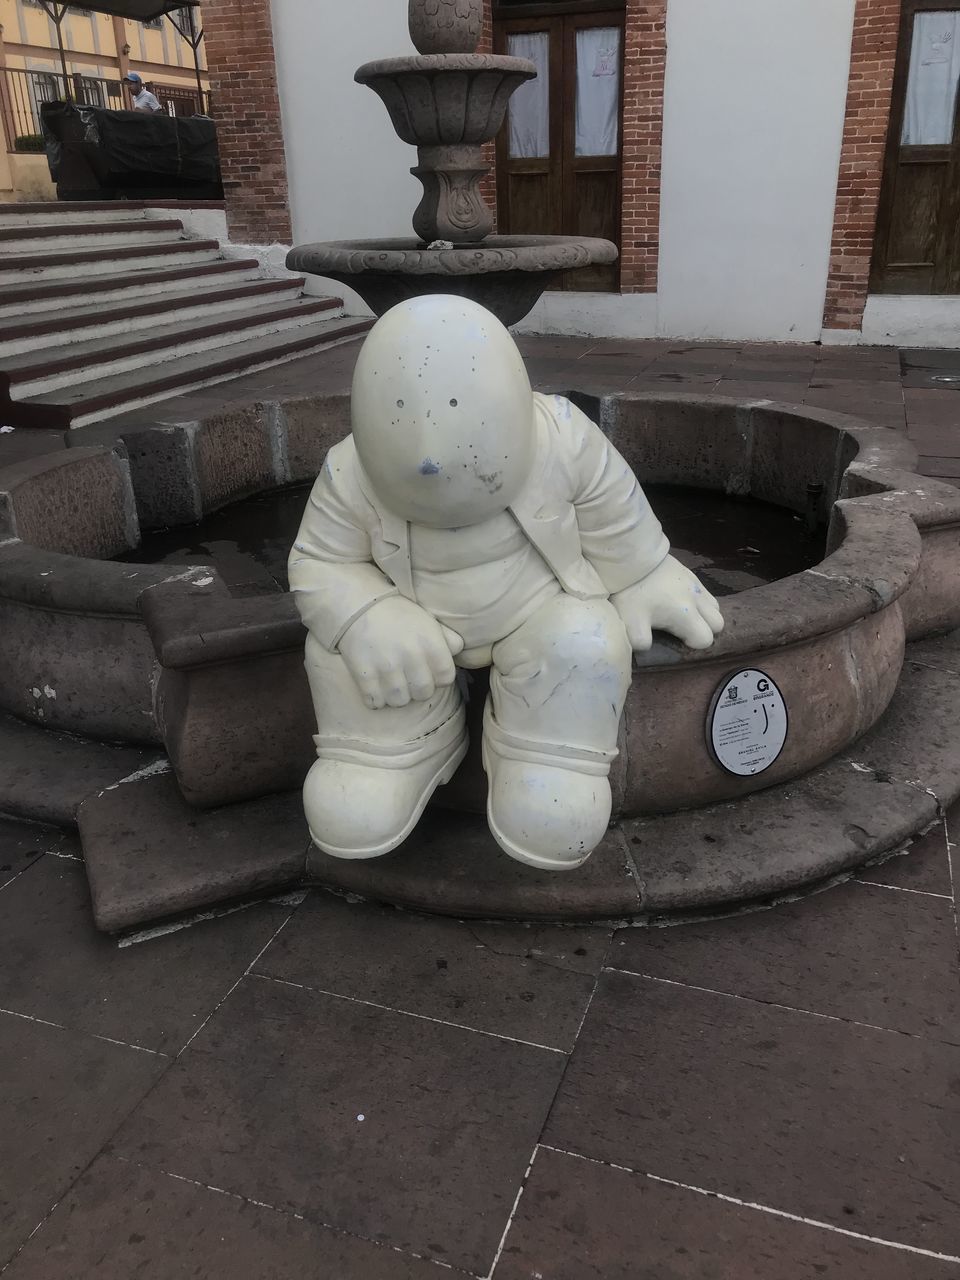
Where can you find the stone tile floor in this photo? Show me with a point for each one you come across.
(314, 1087)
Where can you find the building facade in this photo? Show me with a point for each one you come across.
(98, 51)
(776, 170)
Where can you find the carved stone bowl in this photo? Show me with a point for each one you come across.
(450, 99)
(505, 274)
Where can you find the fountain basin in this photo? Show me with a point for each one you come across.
(171, 656)
(505, 274)
(202, 683)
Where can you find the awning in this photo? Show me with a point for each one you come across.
(141, 10)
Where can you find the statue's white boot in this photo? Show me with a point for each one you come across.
(545, 809)
(362, 808)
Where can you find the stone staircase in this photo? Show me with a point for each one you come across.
(108, 307)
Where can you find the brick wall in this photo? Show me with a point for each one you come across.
(645, 57)
(875, 30)
(243, 80)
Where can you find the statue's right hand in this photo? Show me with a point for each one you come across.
(398, 653)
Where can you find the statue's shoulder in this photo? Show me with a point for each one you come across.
(565, 424)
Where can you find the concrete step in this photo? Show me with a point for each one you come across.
(130, 313)
(27, 212)
(49, 296)
(77, 405)
(54, 237)
(36, 373)
(88, 263)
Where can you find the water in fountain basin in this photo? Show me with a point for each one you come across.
(731, 543)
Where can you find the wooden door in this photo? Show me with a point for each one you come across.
(917, 248)
(558, 154)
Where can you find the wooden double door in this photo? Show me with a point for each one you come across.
(558, 154)
(917, 246)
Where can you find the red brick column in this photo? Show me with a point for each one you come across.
(876, 26)
(488, 185)
(238, 35)
(645, 60)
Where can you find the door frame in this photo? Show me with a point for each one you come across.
(545, 16)
(946, 268)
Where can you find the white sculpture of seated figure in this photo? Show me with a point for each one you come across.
(470, 522)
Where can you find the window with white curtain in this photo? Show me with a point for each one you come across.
(932, 79)
(529, 121)
(598, 91)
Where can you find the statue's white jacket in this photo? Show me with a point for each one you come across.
(581, 507)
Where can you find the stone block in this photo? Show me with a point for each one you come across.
(452, 865)
(149, 854)
(238, 729)
(309, 427)
(767, 844)
(795, 459)
(668, 761)
(77, 502)
(83, 672)
(236, 454)
(46, 776)
(704, 441)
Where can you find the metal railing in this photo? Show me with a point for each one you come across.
(23, 92)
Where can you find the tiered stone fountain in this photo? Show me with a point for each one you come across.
(448, 102)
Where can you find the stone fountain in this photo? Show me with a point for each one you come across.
(448, 101)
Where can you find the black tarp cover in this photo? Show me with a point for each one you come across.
(121, 146)
(141, 10)
(135, 142)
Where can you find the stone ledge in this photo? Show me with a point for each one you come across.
(149, 855)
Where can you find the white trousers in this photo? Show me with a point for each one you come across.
(557, 688)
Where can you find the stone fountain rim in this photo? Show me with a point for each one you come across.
(836, 592)
(410, 256)
(434, 63)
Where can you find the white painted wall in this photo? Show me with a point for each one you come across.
(348, 172)
(753, 120)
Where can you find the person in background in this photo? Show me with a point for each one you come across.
(143, 99)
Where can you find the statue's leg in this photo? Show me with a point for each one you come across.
(375, 770)
(557, 690)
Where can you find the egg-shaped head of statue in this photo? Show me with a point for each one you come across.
(443, 413)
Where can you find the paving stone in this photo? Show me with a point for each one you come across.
(917, 739)
(28, 442)
(578, 1220)
(923, 866)
(946, 467)
(840, 1123)
(857, 951)
(942, 652)
(150, 855)
(451, 865)
(266, 1101)
(926, 407)
(22, 843)
(440, 968)
(55, 966)
(63, 1095)
(772, 388)
(121, 1221)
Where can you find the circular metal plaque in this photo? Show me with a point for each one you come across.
(749, 722)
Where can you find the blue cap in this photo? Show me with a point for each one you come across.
(132, 76)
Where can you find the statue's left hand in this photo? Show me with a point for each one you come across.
(669, 599)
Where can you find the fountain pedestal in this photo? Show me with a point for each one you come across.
(448, 102)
